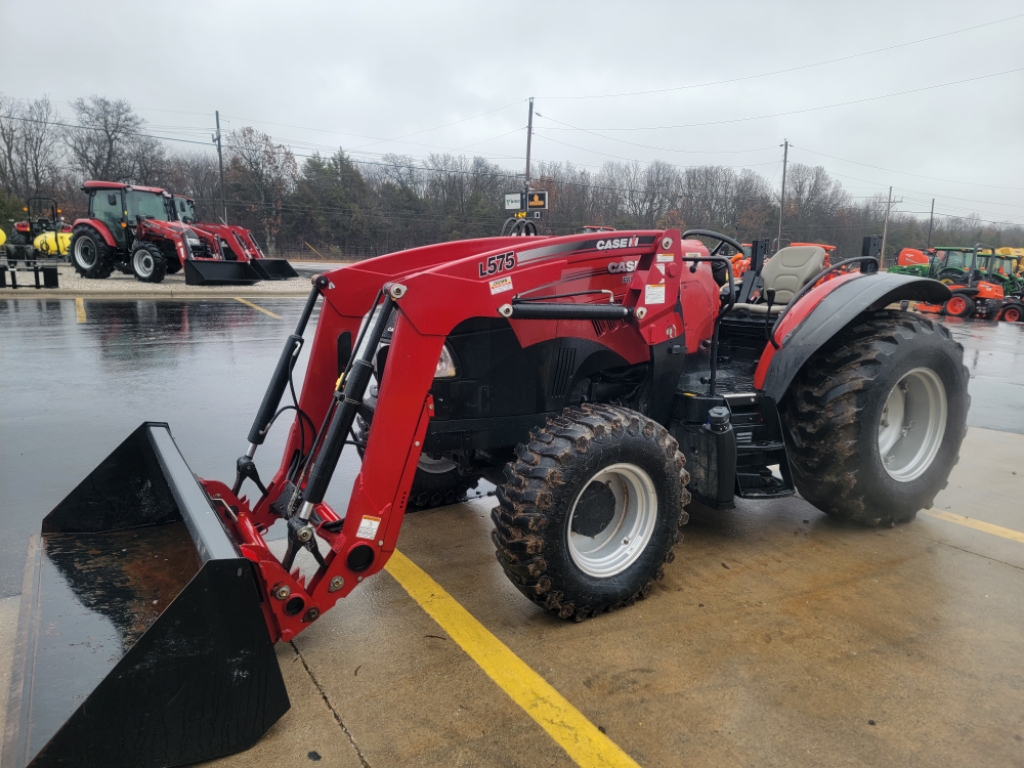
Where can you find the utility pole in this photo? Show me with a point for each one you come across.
(782, 197)
(529, 140)
(220, 161)
(931, 221)
(885, 226)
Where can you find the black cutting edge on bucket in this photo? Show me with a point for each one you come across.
(141, 638)
(214, 272)
(273, 269)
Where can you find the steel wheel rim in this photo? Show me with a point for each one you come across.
(434, 466)
(1011, 315)
(85, 253)
(912, 424)
(144, 263)
(956, 305)
(631, 529)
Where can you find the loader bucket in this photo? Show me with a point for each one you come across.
(214, 272)
(141, 638)
(273, 269)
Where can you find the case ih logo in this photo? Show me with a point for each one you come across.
(617, 242)
(618, 267)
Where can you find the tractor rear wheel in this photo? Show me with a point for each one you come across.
(590, 510)
(16, 239)
(875, 418)
(148, 263)
(90, 255)
(959, 306)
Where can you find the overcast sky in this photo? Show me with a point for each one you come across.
(323, 74)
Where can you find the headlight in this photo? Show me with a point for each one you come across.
(445, 365)
(193, 240)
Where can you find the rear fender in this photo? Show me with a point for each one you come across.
(835, 310)
(100, 227)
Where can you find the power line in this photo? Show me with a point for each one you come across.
(907, 173)
(792, 112)
(791, 69)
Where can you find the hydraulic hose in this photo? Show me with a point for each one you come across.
(285, 364)
(350, 397)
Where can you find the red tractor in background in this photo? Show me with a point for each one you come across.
(128, 228)
(236, 243)
(600, 380)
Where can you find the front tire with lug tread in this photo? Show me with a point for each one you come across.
(590, 510)
(148, 263)
(875, 419)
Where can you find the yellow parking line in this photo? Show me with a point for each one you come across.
(978, 525)
(80, 309)
(580, 738)
(256, 306)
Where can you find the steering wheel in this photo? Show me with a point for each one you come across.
(722, 239)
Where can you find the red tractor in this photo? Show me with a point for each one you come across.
(599, 398)
(236, 243)
(129, 229)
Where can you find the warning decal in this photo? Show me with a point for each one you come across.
(665, 258)
(501, 285)
(368, 527)
(654, 294)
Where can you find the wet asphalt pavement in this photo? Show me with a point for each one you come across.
(72, 391)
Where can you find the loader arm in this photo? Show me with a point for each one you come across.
(433, 289)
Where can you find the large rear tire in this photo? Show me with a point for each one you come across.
(148, 263)
(90, 255)
(16, 239)
(875, 418)
(590, 510)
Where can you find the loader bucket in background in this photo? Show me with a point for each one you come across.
(141, 638)
(273, 269)
(215, 272)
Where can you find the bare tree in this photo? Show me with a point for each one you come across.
(108, 143)
(261, 176)
(30, 149)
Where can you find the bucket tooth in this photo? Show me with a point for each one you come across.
(141, 639)
(215, 272)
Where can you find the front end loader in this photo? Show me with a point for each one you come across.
(236, 243)
(601, 380)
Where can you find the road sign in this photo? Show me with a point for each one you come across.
(514, 202)
(537, 201)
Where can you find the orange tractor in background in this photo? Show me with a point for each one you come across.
(976, 295)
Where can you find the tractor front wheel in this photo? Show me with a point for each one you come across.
(1013, 313)
(148, 263)
(959, 306)
(438, 483)
(590, 510)
(875, 418)
(91, 257)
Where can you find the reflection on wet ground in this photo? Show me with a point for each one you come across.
(994, 354)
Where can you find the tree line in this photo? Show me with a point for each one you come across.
(341, 207)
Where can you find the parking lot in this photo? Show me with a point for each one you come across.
(778, 637)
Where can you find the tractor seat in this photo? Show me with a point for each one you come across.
(789, 270)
